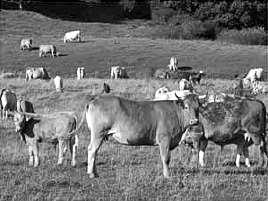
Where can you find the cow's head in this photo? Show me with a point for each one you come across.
(20, 121)
(190, 109)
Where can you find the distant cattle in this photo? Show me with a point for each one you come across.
(80, 73)
(72, 36)
(195, 78)
(58, 82)
(239, 121)
(24, 106)
(162, 74)
(8, 102)
(50, 128)
(129, 122)
(254, 74)
(118, 72)
(26, 44)
(36, 73)
(47, 49)
(173, 63)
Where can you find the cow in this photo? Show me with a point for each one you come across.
(185, 85)
(239, 121)
(47, 49)
(58, 82)
(173, 63)
(118, 72)
(72, 36)
(259, 87)
(163, 93)
(36, 73)
(24, 106)
(80, 73)
(8, 102)
(254, 74)
(50, 128)
(26, 44)
(135, 123)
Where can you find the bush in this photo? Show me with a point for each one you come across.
(250, 36)
(198, 29)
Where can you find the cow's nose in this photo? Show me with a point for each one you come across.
(193, 121)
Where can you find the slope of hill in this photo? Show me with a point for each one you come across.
(127, 44)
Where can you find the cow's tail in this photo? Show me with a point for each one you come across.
(74, 132)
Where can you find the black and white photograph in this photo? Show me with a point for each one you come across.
(133, 100)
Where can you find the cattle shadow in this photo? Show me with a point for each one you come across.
(34, 48)
(62, 55)
(185, 68)
(111, 11)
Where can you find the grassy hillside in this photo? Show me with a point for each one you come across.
(126, 173)
(128, 44)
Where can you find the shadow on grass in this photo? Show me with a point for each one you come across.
(34, 48)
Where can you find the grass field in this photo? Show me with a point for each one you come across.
(126, 173)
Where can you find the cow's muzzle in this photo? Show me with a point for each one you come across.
(193, 121)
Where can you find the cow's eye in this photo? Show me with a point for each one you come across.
(186, 107)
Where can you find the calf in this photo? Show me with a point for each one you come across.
(8, 102)
(51, 128)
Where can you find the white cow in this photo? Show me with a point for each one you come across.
(254, 74)
(118, 72)
(47, 49)
(259, 87)
(80, 73)
(8, 102)
(185, 85)
(173, 64)
(58, 83)
(26, 44)
(72, 36)
(163, 94)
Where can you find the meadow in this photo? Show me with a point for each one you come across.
(126, 173)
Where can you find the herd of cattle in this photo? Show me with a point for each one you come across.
(171, 118)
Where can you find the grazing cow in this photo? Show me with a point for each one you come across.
(58, 82)
(173, 64)
(195, 78)
(26, 44)
(231, 122)
(36, 73)
(51, 128)
(254, 74)
(185, 85)
(8, 102)
(47, 49)
(135, 123)
(163, 93)
(72, 36)
(118, 72)
(106, 88)
(80, 73)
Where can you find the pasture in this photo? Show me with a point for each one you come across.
(126, 173)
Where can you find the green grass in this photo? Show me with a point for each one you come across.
(126, 173)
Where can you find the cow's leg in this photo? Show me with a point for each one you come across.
(201, 151)
(36, 154)
(246, 155)
(164, 145)
(62, 151)
(240, 149)
(31, 156)
(93, 148)
(73, 148)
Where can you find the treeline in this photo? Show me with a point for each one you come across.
(228, 13)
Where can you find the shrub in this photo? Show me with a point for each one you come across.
(249, 36)
(198, 29)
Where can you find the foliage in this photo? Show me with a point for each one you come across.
(250, 36)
